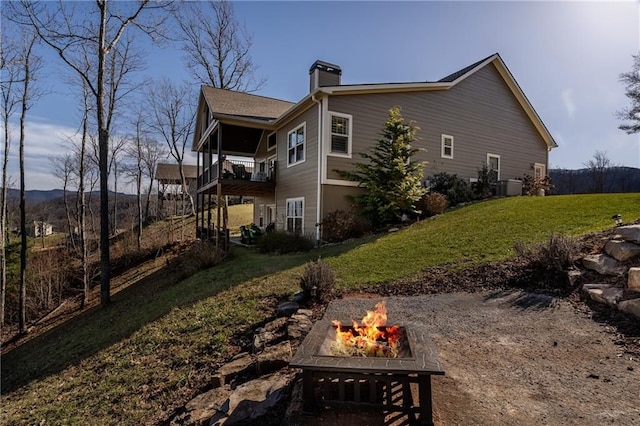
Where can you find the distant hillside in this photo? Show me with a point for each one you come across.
(616, 179)
(37, 196)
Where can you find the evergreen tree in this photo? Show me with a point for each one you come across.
(393, 180)
(631, 114)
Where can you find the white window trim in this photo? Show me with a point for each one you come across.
(304, 144)
(541, 166)
(286, 213)
(442, 146)
(349, 136)
(489, 155)
(274, 147)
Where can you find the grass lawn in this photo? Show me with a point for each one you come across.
(158, 345)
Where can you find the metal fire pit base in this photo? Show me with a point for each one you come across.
(380, 383)
(378, 391)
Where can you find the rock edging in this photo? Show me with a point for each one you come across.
(619, 251)
(252, 384)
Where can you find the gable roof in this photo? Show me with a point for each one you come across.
(453, 76)
(449, 82)
(237, 107)
(228, 102)
(170, 173)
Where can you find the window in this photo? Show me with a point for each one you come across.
(493, 163)
(296, 145)
(271, 141)
(447, 146)
(295, 212)
(340, 134)
(538, 170)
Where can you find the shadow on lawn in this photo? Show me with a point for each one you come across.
(132, 308)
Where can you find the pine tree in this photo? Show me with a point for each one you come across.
(631, 114)
(392, 179)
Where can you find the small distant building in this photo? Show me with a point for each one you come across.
(40, 228)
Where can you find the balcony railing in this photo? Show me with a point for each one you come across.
(238, 170)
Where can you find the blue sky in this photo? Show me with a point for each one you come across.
(566, 56)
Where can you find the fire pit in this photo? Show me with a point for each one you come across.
(370, 364)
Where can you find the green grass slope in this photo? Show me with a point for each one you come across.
(157, 346)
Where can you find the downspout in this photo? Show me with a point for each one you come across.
(319, 183)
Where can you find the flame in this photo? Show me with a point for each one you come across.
(369, 338)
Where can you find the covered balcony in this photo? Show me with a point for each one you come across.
(239, 177)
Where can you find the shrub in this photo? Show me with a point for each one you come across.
(200, 255)
(317, 281)
(456, 189)
(531, 185)
(340, 225)
(434, 203)
(557, 253)
(486, 179)
(281, 242)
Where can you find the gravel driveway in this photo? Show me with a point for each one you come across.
(513, 358)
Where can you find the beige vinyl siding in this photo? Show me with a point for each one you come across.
(335, 197)
(480, 112)
(257, 202)
(301, 179)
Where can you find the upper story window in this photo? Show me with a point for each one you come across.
(271, 141)
(340, 134)
(447, 146)
(296, 139)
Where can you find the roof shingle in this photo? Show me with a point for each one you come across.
(225, 101)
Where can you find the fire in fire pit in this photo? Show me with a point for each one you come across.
(371, 338)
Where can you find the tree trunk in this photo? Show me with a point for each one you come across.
(22, 303)
(3, 222)
(103, 164)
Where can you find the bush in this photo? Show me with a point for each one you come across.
(487, 178)
(557, 253)
(531, 185)
(434, 203)
(317, 281)
(281, 242)
(456, 189)
(340, 225)
(199, 256)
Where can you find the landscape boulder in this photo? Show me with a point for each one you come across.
(274, 357)
(299, 325)
(201, 408)
(629, 233)
(272, 332)
(622, 250)
(242, 364)
(633, 282)
(286, 309)
(604, 293)
(631, 307)
(253, 400)
(604, 265)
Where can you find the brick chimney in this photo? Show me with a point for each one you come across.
(323, 74)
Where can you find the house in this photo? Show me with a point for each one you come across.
(477, 115)
(40, 229)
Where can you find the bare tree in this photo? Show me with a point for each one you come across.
(86, 45)
(31, 65)
(134, 150)
(631, 114)
(10, 66)
(152, 153)
(63, 166)
(217, 49)
(597, 167)
(171, 119)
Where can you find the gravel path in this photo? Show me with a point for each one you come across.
(514, 358)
